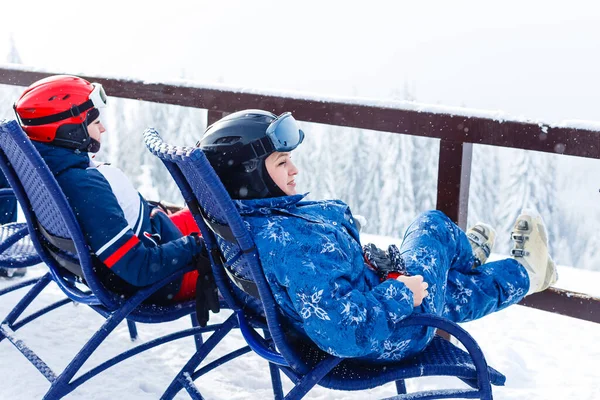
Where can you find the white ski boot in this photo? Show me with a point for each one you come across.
(481, 237)
(530, 249)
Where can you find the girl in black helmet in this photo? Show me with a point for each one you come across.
(315, 265)
(239, 145)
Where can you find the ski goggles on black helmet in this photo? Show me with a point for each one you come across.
(283, 134)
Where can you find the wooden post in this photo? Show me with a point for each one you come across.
(214, 116)
(454, 176)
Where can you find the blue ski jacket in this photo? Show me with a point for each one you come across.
(115, 219)
(313, 261)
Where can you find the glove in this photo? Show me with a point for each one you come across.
(386, 264)
(207, 293)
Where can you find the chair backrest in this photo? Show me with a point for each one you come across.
(56, 236)
(208, 200)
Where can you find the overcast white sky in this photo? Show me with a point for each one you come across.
(539, 59)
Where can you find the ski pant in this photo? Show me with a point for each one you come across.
(184, 221)
(438, 249)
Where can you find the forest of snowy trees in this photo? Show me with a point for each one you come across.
(387, 178)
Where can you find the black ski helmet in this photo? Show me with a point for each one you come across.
(237, 145)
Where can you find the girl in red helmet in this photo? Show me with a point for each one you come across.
(135, 241)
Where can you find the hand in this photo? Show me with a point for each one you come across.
(417, 286)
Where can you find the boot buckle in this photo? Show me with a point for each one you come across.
(519, 238)
(519, 253)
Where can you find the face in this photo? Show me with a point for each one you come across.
(283, 171)
(96, 129)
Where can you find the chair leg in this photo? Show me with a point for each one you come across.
(314, 377)
(133, 333)
(275, 375)
(200, 355)
(17, 286)
(276, 382)
(401, 386)
(25, 301)
(60, 387)
(190, 387)
(197, 338)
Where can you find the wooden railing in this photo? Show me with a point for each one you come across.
(457, 134)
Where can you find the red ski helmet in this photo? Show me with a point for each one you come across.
(57, 109)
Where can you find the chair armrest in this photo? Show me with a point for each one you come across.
(257, 343)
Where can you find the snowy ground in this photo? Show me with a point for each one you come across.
(544, 356)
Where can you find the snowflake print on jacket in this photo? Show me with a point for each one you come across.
(313, 261)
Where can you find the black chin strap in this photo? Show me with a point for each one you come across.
(74, 111)
(94, 146)
(73, 136)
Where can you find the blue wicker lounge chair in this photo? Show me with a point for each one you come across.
(306, 365)
(60, 244)
(16, 250)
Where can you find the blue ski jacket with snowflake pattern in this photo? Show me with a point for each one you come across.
(313, 261)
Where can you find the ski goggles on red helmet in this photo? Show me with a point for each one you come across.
(96, 99)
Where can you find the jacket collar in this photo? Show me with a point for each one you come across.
(60, 159)
(261, 206)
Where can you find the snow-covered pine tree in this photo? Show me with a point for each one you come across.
(541, 180)
(514, 194)
(485, 186)
(10, 93)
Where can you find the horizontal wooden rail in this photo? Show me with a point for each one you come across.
(455, 128)
(564, 302)
(456, 132)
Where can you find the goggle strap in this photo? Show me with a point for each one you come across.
(74, 111)
(261, 147)
(255, 149)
